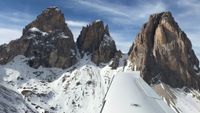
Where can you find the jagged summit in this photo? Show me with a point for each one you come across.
(47, 41)
(163, 52)
(95, 39)
(91, 36)
(51, 19)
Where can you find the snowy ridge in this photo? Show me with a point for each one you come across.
(78, 89)
(147, 91)
(180, 100)
(127, 94)
(12, 102)
(187, 102)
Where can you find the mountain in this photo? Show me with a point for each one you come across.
(47, 41)
(48, 72)
(163, 52)
(95, 39)
(43, 66)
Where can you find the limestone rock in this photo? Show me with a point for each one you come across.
(47, 41)
(96, 40)
(163, 52)
(115, 60)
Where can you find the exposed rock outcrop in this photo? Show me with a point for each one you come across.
(95, 39)
(163, 52)
(115, 61)
(47, 41)
(12, 102)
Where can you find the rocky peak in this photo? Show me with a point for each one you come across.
(163, 52)
(47, 41)
(49, 20)
(95, 39)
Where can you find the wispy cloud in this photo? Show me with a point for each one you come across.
(11, 25)
(127, 18)
(9, 34)
(103, 6)
(123, 12)
(188, 19)
(15, 17)
(121, 41)
(194, 38)
(76, 31)
(136, 15)
(191, 6)
(123, 16)
(76, 26)
(75, 23)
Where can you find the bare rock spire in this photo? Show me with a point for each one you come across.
(163, 52)
(95, 39)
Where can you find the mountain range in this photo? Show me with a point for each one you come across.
(47, 71)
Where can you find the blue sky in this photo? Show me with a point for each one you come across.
(124, 17)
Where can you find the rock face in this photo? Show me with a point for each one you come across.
(95, 39)
(47, 41)
(12, 102)
(115, 61)
(162, 52)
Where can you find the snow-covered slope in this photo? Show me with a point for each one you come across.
(12, 102)
(79, 89)
(181, 100)
(130, 94)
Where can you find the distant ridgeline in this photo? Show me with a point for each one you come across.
(162, 51)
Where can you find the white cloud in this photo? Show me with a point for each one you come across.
(12, 23)
(75, 23)
(121, 41)
(188, 19)
(76, 31)
(16, 16)
(195, 40)
(104, 6)
(193, 5)
(9, 34)
(122, 13)
(76, 26)
(194, 37)
(124, 46)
